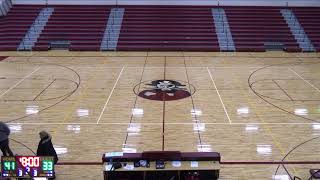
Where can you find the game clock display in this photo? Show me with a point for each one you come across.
(27, 166)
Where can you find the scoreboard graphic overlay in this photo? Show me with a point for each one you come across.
(27, 166)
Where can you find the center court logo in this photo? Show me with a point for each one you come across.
(164, 90)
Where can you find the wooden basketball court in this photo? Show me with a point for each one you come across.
(256, 109)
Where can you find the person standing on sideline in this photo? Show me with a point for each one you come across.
(4, 140)
(45, 147)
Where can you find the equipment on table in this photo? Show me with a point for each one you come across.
(161, 165)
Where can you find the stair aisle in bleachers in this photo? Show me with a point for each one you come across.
(82, 26)
(223, 30)
(160, 28)
(111, 34)
(309, 18)
(35, 30)
(253, 27)
(5, 6)
(16, 24)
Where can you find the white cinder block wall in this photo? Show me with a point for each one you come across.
(178, 2)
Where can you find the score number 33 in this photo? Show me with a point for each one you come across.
(47, 165)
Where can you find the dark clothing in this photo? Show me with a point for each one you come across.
(4, 146)
(45, 148)
(4, 141)
(4, 131)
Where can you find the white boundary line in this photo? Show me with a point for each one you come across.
(224, 108)
(12, 87)
(197, 67)
(114, 123)
(314, 87)
(114, 86)
(189, 67)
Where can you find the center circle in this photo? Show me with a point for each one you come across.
(164, 90)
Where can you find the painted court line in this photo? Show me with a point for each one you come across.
(314, 87)
(196, 67)
(12, 87)
(214, 84)
(114, 86)
(114, 123)
(161, 67)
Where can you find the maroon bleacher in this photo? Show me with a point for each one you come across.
(309, 19)
(82, 26)
(15, 25)
(251, 27)
(159, 28)
(168, 28)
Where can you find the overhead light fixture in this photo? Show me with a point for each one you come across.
(60, 150)
(243, 111)
(301, 111)
(82, 112)
(204, 148)
(129, 150)
(196, 112)
(32, 110)
(75, 128)
(134, 128)
(15, 128)
(199, 127)
(264, 149)
(137, 112)
(252, 127)
(280, 177)
(316, 126)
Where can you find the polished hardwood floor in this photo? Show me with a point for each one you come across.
(250, 107)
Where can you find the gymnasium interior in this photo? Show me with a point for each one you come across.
(160, 89)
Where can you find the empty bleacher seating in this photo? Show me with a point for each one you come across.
(309, 18)
(159, 28)
(15, 25)
(252, 27)
(82, 26)
(163, 28)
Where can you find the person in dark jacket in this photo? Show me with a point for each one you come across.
(4, 140)
(45, 147)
